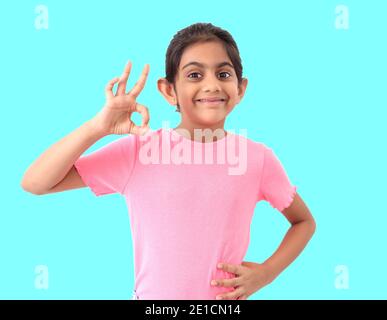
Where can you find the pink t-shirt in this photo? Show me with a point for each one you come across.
(187, 212)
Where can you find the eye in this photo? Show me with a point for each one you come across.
(229, 75)
(196, 73)
(192, 74)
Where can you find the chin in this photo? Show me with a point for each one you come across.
(211, 119)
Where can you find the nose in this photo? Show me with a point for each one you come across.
(211, 84)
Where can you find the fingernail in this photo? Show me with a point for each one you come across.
(220, 265)
(219, 298)
(214, 283)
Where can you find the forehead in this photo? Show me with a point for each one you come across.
(209, 53)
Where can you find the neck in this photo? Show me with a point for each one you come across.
(190, 127)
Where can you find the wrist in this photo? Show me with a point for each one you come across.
(271, 272)
(95, 129)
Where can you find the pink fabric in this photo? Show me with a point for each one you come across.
(185, 218)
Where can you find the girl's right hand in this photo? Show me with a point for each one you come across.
(115, 117)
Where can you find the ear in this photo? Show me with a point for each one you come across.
(242, 88)
(167, 90)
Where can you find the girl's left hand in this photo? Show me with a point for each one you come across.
(250, 277)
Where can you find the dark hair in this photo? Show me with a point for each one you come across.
(200, 32)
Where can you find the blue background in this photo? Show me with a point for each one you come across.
(316, 95)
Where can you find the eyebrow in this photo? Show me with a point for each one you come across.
(224, 63)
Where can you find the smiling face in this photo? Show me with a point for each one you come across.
(206, 86)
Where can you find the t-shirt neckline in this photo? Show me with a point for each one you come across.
(178, 135)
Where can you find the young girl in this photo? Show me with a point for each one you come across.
(190, 218)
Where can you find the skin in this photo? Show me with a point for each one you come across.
(198, 82)
(250, 276)
(194, 82)
(53, 168)
(115, 117)
(209, 81)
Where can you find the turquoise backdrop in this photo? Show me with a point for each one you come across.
(316, 95)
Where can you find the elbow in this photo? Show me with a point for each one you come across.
(312, 224)
(309, 226)
(31, 188)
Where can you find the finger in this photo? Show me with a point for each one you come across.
(124, 79)
(242, 297)
(233, 295)
(140, 84)
(109, 87)
(232, 268)
(144, 113)
(139, 130)
(227, 282)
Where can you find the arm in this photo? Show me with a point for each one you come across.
(56, 163)
(54, 170)
(251, 276)
(302, 229)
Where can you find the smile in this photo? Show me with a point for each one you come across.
(210, 102)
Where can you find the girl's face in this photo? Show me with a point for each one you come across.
(205, 72)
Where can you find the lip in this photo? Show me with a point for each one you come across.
(210, 99)
(210, 103)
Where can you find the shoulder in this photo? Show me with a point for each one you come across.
(255, 145)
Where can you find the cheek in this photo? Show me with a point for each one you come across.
(233, 96)
(234, 91)
(187, 95)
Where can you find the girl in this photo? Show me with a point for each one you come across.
(190, 220)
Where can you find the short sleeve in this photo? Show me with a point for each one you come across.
(108, 169)
(275, 186)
